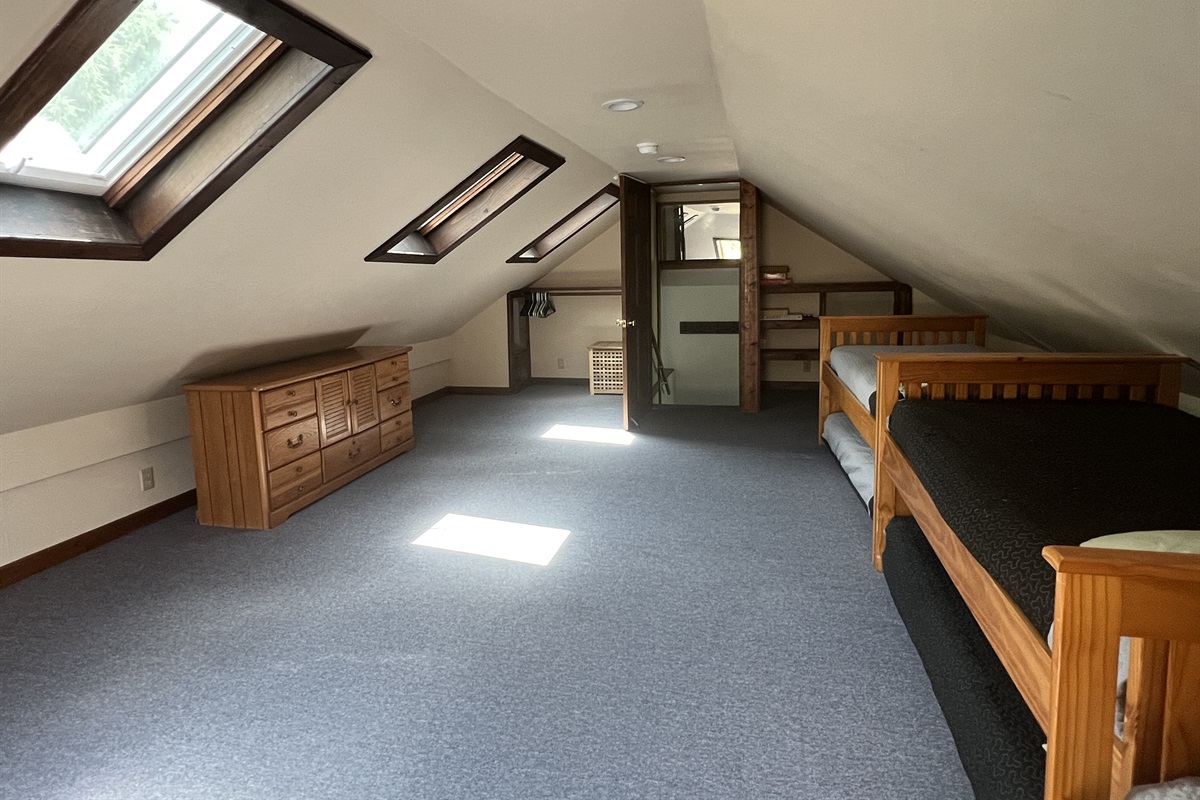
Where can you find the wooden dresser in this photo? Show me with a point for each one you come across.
(267, 442)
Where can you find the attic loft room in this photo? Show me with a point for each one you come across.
(688, 399)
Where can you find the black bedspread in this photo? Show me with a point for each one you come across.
(999, 742)
(1012, 477)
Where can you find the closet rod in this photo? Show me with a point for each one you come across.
(579, 291)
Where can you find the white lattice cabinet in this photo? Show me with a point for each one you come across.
(606, 368)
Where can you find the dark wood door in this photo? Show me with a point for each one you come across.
(636, 298)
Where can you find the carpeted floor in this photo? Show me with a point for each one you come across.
(711, 628)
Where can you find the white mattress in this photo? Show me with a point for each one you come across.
(855, 364)
(853, 453)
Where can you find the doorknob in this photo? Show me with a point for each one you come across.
(626, 323)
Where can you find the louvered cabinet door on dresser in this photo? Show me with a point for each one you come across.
(267, 442)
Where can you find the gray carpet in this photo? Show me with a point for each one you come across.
(711, 628)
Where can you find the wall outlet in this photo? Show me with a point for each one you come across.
(562, 364)
(147, 478)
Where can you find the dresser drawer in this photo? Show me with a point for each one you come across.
(395, 401)
(291, 442)
(350, 453)
(396, 431)
(391, 372)
(293, 481)
(281, 406)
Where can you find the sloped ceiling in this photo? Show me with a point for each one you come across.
(1038, 161)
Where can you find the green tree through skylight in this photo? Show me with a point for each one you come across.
(114, 76)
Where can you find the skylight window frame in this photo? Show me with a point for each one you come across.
(125, 140)
(204, 154)
(573, 219)
(434, 233)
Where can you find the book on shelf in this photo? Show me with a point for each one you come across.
(785, 317)
(769, 313)
(775, 281)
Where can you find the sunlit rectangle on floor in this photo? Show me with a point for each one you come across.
(514, 541)
(581, 433)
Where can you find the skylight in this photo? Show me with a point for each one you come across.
(133, 116)
(512, 541)
(568, 226)
(159, 62)
(469, 206)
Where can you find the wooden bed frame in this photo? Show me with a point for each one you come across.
(887, 330)
(1101, 595)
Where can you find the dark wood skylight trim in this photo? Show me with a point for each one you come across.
(562, 231)
(472, 203)
(247, 119)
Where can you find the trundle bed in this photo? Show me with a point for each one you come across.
(1004, 460)
(846, 416)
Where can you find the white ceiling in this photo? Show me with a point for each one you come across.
(558, 61)
(1039, 161)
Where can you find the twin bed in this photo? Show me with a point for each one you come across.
(998, 480)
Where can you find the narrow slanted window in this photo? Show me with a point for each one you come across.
(465, 209)
(568, 226)
(131, 118)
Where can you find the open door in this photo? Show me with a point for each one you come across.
(637, 217)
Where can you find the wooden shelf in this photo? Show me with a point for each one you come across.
(826, 288)
(791, 323)
(701, 263)
(791, 353)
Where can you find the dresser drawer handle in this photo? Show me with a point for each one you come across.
(395, 401)
(300, 489)
(291, 392)
(354, 453)
(298, 441)
(299, 470)
(293, 413)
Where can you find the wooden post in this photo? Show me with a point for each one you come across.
(1083, 672)
(887, 391)
(750, 372)
(1181, 739)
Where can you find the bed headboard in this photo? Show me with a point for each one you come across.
(1150, 378)
(901, 329)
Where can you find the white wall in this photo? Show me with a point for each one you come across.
(706, 365)
(479, 349)
(598, 263)
(566, 334)
(66, 478)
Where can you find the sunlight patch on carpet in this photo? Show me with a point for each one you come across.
(514, 541)
(581, 433)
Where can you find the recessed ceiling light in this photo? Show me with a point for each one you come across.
(671, 159)
(622, 104)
